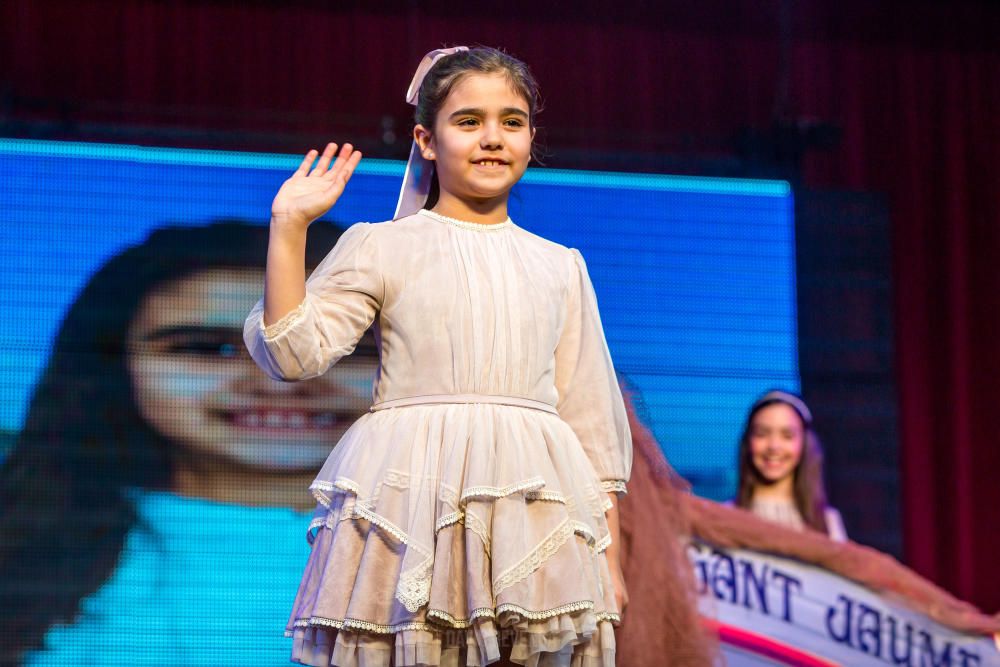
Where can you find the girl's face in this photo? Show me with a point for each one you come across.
(776, 442)
(195, 383)
(481, 139)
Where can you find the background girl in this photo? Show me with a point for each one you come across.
(781, 467)
(472, 513)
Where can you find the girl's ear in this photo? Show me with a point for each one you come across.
(424, 140)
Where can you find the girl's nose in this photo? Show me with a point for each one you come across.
(492, 138)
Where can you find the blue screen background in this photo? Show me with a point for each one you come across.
(695, 279)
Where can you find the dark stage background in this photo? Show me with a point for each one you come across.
(897, 99)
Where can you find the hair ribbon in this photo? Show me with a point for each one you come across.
(419, 170)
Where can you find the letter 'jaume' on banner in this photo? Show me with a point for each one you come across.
(780, 606)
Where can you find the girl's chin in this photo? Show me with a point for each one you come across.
(287, 451)
(773, 477)
(280, 457)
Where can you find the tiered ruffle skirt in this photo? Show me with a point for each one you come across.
(447, 533)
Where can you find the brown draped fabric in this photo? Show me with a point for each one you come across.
(661, 626)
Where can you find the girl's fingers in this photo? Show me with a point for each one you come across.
(349, 166)
(306, 162)
(341, 176)
(324, 160)
(345, 153)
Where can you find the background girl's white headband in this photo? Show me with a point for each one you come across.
(791, 399)
(417, 177)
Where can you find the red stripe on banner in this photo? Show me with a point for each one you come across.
(767, 647)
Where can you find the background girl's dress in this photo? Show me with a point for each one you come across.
(467, 508)
(784, 512)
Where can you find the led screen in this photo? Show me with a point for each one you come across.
(159, 501)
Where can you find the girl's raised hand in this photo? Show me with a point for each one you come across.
(308, 194)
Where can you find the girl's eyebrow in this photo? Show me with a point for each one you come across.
(476, 111)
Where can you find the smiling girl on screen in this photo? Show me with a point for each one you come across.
(140, 473)
(471, 515)
(781, 467)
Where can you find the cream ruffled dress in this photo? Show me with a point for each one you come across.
(465, 512)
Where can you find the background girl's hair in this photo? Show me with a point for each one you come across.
(449, 70)
(809, 491)
(65, 509)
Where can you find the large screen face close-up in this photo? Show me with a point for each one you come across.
(160, 478)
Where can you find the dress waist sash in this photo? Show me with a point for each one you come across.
(438, 399)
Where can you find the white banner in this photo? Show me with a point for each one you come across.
(776, 611)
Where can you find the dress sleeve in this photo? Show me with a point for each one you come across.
(343, 297)
(590, 399)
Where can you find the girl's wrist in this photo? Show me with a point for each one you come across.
(288, 222)
(611, 554)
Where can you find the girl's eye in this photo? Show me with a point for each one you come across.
(514, 122)
(468, 121)
(206, 348)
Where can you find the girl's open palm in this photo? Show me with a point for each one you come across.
(308, 194)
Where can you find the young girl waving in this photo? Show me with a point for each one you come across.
(471, 514)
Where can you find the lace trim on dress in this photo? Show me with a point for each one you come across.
(474, 226)
(476, 525)
(534, 560)
(364, 513)
(548, 613)
(396, 479)
(414, 586)
(458, 623)
(494, 492)
(359, 625)
(321, 490)
(548, 496)
(274, 330)
(448, 519)
(613, 486)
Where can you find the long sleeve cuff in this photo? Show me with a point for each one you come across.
(273, 331)
(614, 486)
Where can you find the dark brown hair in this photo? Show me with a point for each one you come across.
(449, 70)
(808, 489)
(66, 484)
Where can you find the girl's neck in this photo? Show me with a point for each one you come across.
(781, 491)
(488, 212)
